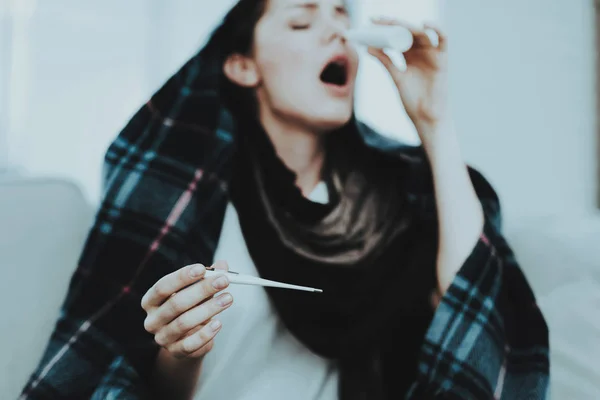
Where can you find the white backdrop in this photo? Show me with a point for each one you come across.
(81, 69)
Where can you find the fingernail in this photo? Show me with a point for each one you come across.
(224, 300)
(220, 283)
(197, 271)
(215, 325)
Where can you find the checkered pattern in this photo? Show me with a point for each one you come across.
(166, 192)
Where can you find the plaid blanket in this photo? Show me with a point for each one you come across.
(166, 190)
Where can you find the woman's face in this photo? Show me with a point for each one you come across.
(305, 69)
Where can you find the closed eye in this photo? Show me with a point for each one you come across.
(300, 27)
(343, 11)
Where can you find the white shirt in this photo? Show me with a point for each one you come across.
(255, 357)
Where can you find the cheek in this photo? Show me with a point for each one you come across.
(282, 63)
(355, 62)
(282, 56)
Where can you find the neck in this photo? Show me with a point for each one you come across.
(300, 149)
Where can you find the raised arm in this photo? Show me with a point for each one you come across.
(488, 339)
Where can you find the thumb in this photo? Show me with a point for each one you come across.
(387, 62)
(222, 265)
(381, 56)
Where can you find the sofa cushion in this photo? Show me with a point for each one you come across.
(572, 312)
(557, 251)
(43, 226)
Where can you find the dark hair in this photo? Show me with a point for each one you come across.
(236, 35)
(239, 24)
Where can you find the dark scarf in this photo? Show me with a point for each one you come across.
(375, 266)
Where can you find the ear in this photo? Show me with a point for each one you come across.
(241, 70)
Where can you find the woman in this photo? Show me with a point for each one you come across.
(251, 154)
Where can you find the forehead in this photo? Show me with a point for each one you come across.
(283, 5)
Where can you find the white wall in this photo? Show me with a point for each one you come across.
(81, 70)
(5, 42)
(521, 76)
(523, 96)
(77, 76)
(178, 29)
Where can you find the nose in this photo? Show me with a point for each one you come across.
(334, 30)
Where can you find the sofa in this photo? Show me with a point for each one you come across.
(561, 259)
(44, 223)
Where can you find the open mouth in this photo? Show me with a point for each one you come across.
(336, 72)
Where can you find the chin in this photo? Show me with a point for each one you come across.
(331, 118)
(330, 122)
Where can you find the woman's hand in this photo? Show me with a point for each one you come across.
(180, 309)
(423, 90)
(423, 85)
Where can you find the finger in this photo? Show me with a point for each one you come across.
(381, 56)
(193, 318)
(163, 343)
(193, 343)
(386, 60)
(220, 264)
(203, 350)
(170, 284)
(183, 301)
(442, 41)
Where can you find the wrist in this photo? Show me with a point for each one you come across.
(176, 378)
(439, 142)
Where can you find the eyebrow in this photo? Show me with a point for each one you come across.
(304, 5)
(314, 6)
